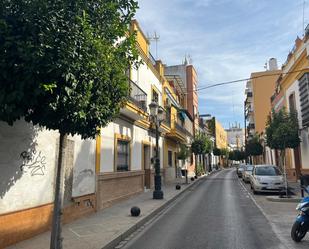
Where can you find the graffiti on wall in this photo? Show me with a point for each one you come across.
(33, 162)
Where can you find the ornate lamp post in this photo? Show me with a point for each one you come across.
(156, 117)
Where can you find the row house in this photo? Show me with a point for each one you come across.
(257, 104)
(292, 93)
(219, 137)
(98, 172)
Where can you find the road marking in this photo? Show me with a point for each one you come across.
(273, 226)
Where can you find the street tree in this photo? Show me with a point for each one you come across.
(201, 145)
(216, 151)
(254, 147)
(62, 67)
(282, 133)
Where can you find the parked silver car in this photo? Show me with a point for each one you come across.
(266, 178)
(240, 169)
(247, 173)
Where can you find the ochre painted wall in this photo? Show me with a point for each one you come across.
(221, 136)
(263, 89)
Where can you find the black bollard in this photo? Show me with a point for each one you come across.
(135, 211)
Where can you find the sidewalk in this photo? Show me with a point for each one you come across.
(281, 215)
(106, 228)
(294, 191)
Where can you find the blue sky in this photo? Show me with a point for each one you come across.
(226, 40)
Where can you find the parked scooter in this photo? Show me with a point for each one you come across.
(301, 225)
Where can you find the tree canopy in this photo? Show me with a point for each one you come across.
(282, 130)
(217, 151)
(254, 147)
(201, 145)
(63, 62)
(184, 152)
(237, 155)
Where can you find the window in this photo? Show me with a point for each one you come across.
(123, 155)
(170, 158)
(292, 102)
(155, 96)
(303, 85)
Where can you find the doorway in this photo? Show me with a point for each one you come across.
(146, 166)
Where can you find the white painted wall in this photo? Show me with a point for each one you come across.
(137, 135)
(84, 166)
(145, 78)
(26, 183)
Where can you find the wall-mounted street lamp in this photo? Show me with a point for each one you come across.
(156, 117)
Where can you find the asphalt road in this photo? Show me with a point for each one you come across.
(216, 213)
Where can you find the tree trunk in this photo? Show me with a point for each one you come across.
(56, 239)
(282, 155)
(186, 170)
(195, 165)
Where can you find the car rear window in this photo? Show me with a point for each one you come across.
(249, 168)
(267, 171)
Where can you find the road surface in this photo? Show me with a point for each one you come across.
(216, 213)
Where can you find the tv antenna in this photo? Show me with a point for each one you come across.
(155, 37)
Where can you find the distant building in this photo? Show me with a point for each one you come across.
(183, 81)
(235, 137)
(259, 89)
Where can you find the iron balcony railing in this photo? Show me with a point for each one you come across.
(152, 59)
(167, 120)
(138, 96)
(181, 128)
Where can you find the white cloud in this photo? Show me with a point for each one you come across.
(227, 40)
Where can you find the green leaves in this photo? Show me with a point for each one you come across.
(59, 65)
(184, 152)
(217, 152)
(282, 130)
(201, 145)
(254, 147)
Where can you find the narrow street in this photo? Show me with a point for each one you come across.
(219, 214)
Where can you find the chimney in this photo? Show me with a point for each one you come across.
(273, 64)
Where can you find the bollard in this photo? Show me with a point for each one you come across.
(135, 211)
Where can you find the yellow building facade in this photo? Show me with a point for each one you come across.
(287, 95)
(220, 136)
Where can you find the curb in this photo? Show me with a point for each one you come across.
(277, 199)
(112, 244)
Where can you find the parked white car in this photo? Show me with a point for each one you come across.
(266, 178)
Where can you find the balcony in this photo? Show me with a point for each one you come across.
(136, 106)
(138, 96)
(152, 59)
(167, 120)
(251, 126)
(249, 94)
(180, 128)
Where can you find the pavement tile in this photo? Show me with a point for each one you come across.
(97, 230)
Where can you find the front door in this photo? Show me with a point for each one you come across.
(297, 161)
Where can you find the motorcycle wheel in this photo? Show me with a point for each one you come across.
(296, 233)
